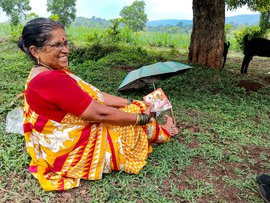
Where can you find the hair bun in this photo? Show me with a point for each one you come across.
(21, 44)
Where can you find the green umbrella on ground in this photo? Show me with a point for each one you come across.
(150, 74)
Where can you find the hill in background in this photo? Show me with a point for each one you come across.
(250, 19)
(173, 22)
(91, 22)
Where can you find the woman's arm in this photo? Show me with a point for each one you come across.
(101, 113)
(114, 101)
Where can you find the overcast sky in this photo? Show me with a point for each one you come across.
(109, 9)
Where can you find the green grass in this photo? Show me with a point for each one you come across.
(223, 141)
(82, 36)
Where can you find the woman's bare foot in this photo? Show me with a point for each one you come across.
(169, 126)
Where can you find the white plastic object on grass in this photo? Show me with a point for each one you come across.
(14, 121)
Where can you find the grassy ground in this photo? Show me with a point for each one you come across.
(222, 145)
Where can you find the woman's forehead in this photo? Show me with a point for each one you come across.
(58, 34)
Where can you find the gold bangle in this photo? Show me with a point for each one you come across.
(137, 120)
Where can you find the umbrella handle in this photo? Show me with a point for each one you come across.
(173, 117)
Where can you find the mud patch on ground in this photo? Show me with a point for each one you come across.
(250, 85)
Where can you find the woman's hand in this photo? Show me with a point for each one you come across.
(148, 110)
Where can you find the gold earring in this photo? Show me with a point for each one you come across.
(37, 60)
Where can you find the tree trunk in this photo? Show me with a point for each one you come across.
(207, 38)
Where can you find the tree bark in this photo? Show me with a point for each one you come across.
(207, 38)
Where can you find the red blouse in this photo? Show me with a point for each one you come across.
(53, 94)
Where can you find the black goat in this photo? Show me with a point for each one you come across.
(225, 52)
(254, 47)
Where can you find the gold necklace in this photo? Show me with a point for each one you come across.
(44, 65)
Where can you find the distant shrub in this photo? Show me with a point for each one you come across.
(114, 30)
(4, 30)
(95, 37)
(93, 52)
(228, 29)
(252, 31)
(131, 56)
(10, 32)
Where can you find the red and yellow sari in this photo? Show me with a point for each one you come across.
(64, 152)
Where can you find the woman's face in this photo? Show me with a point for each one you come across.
(54, 53)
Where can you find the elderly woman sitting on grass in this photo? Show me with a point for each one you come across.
(74, 131)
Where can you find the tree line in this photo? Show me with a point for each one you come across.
(64, 11)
